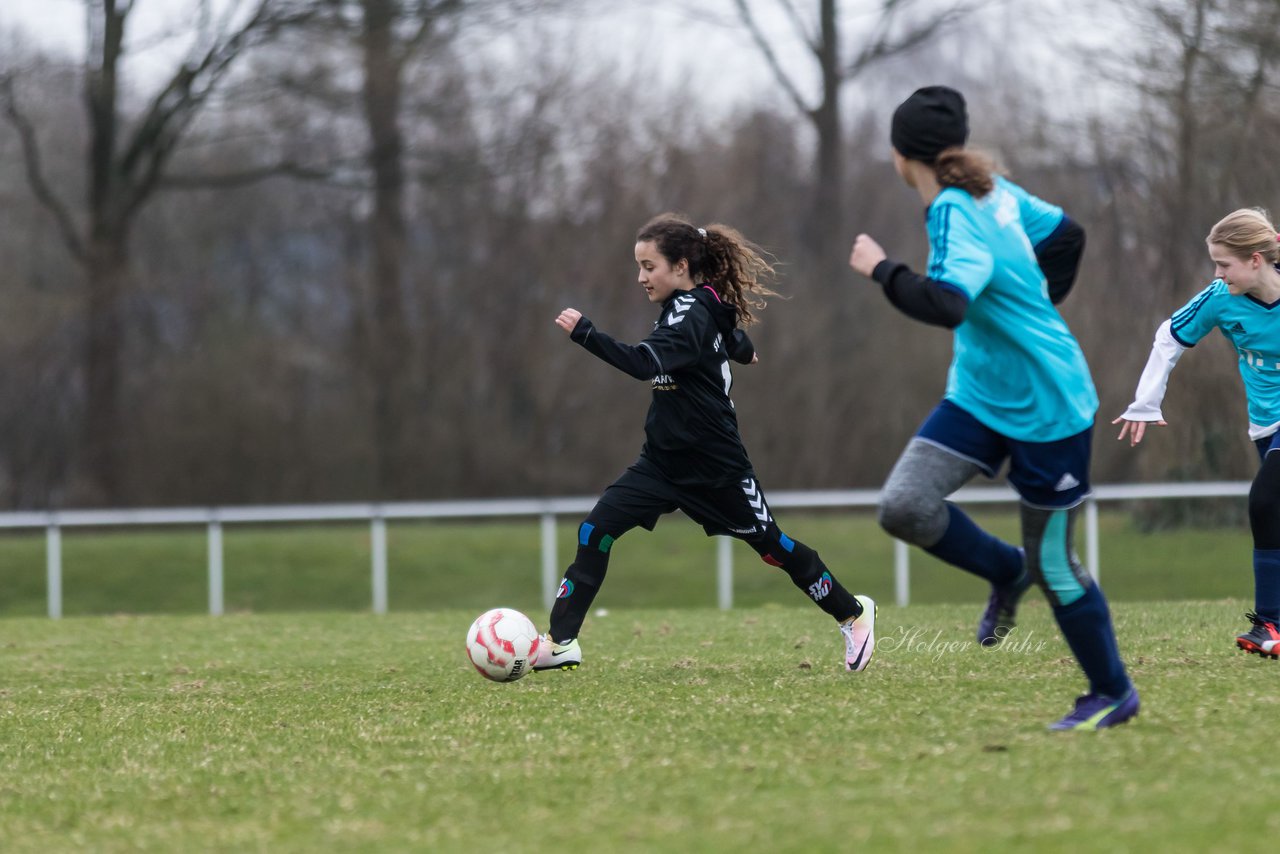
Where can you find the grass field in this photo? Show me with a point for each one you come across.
(685, 730)
(137, 724)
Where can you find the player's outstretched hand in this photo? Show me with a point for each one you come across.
(755, 357)
(1135, 430)
(568, 319)
(866, 254)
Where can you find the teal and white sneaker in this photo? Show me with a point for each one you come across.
(860, 636)
(557, 656)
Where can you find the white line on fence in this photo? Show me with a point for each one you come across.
(378, 544)
(215, 568)
(547, 509)
(53, 570)
(550, 565)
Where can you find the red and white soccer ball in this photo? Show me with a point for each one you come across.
(502, 644)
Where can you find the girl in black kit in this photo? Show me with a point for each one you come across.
(707, 281)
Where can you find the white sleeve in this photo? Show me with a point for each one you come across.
(1165, 352)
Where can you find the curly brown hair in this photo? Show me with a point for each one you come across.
(718, 255)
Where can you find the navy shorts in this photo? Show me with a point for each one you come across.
(1046, 474)
(1267, 444)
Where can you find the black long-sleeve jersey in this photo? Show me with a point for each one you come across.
(691, 431)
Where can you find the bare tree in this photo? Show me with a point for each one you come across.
(125, 163)
(392, 36)
(894, 31)
(392, 33)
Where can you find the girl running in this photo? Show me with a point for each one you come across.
(1018, 390)
(709, 284)
(1243, 301)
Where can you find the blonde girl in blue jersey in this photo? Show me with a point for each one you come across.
(1243, 302)
(1018, 390)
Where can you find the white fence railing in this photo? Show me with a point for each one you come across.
(548, 510)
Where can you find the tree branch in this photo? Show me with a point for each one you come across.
(173, 108)
(797, 21)
(770, 58)
(429, 15)
(245, 177)
(1264, 50)
(883, 45)
(35, 172)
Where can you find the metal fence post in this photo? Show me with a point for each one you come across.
(53, 569)
(378, 532)
(724, 572)
(1091, 537)
(550, 565)
(901, 574)
(215, 568)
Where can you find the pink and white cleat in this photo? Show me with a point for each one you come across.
(860, 636)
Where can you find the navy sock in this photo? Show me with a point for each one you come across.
(974, 550)
(1086, 624)
(1266, 584)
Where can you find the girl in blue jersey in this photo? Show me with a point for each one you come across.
(1243, 301)
(1018, 390)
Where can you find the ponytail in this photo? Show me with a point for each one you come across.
(971, 171)
(719, 256)
(739, 270)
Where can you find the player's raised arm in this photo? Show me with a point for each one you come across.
(919, 297)
(637, 361)
(1135, 430)
(568, 319)
(1166, 350)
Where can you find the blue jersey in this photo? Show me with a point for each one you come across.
(1016, 366)
(1253, 328)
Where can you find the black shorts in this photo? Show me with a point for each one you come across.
(739, 510)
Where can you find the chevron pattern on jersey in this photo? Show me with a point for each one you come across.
(679, 310)
(756, 499)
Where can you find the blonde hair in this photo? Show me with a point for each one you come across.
(1245, 232)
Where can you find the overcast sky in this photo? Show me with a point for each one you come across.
(662, 33)
(679, 42)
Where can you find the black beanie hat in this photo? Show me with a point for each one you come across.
(932, 119)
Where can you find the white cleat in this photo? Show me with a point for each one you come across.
(557, 656)
(859, 636)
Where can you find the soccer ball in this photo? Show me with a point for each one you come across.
(502, 644)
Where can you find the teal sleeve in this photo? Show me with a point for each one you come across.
(1039, 218)
(957, 253)
(1197, 318)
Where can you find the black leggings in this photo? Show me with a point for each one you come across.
(605, 524)
(1264, 503)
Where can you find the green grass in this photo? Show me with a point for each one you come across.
(685, 730)
(473, 566)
